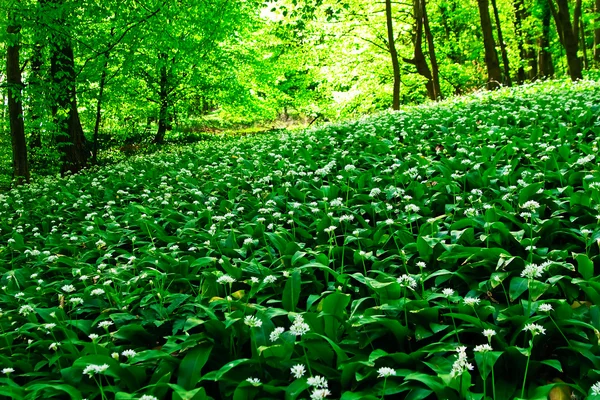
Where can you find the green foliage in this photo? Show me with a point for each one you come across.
(363, 255)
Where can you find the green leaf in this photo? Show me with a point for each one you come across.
(291, 291)
(190, 368)
(180, 393)
(334, 309)
(518, 286)
(553, 363)
(585, 266)
(216, 375)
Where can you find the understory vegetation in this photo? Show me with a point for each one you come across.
(442, 251)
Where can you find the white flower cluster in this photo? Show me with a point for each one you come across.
(461, 365)
(93, 369)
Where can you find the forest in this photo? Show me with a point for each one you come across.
(288, 199)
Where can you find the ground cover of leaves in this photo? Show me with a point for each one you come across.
(445, 251)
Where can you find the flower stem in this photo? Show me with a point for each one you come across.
(526, 369)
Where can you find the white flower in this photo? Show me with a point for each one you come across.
(482, 348)
(299, 327)
(93, 369)
(97, 292)
(223, 279)
(298, 371)
(330, 229)
(148, 397)
(533, 271)
(384, 372)
(596, 389)
(448, 292)
(545, 307)
(411, 208)
(253, 381)
(104, 324)
(115, 355)
(471, 301)
(375, 192)
(50, 326)
(270, 279)
(407, 281)
(254, 280)
(461, 365)
(68, 288)
(317, 381)
(421, 265)
(76, 300)
(389, 221)
(531, 205)
(93, 336)
(535, 329)
(7, 371)
(488, 333)
(53, 346)
(25, 310)
(129, 353)
(252, 321)
(273, 336)
(320, 394)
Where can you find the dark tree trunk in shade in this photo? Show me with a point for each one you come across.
(545, 63)
(15, 107)
(393, 55)
(491, 56)
(584, 46)
(519, 7)
(568, 34)
(163, 113)
(505, 63)
(70, 138)
(419, 60)
(99, 111)
(35, 85)
(432, 56)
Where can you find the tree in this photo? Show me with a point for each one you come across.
(568, 33)
(69, 137)
(15, 106)
(393, 54)
(545, 63)
(597, 33)
(491, 56)
(505, 62)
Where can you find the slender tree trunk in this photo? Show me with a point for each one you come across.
(393, 54)
(519, 7)
(35, 84)
(163, 113)
(545, 63)
(597, 33)
(432, 57)
(15, 106)
(491, 56)
(418, 59)
(584, 46)
(569, 33)
(507, 80)
(99, 111)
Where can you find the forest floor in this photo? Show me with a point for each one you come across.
(448, 251)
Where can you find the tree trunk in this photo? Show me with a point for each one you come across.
(507, 80)
(569, 34)
(584, 46)
(99, 111)
(491, 57)
(393, 55)
(597, 34)
(432, 57)
(163, 113)
(519, 7)
(418, 59)
(35, 84)
(70, 138)
(546, 66)
(15, 106)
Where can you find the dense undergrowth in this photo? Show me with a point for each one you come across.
(445, 251)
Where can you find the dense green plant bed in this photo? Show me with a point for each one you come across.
(446, 251)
